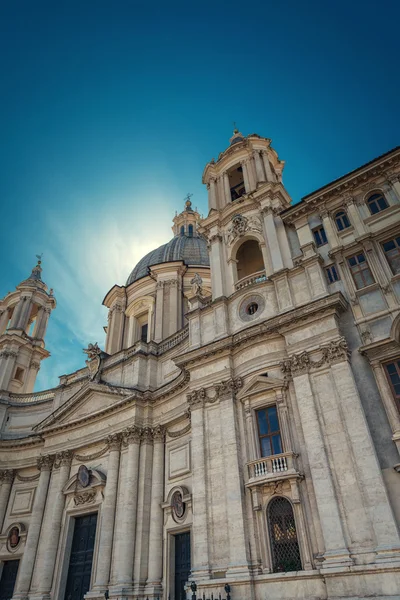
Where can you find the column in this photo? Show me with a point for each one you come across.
(28, 559)
(245, 176)
(227, 189)
(173, 307)
(238, 543)
(40, 331)
(387, 399)
(140, 567)
(7, 363)
(108, 515)
(330, 230)
(336, 552)
(200, 562)
(25, 313)
(368, 469)
(51, 529)
(6, 479)
(125, 539)
(153, 585)
(267, 166)
(158, 328)
(355, 217)
(34, 367)
(212, 197)
(39, 317)
(216, 266)
(4, 318)
(17, 312)
(272, 239)
(259, 167)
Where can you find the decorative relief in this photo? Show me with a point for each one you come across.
(95, 356)
(15, 533)
(7, 476)
(131, 435)
(63, 458)
(147, 435)
(178, 506)
(225, 388)
(88, 457)
(159, 433)
(27, 478)
(114, 441)
(84, 498)
(45, 462)
(302, 363)
(242, 225)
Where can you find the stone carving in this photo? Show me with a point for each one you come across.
(94, 361)
(301, 363)
(131, 435)
(159, 433)
(196, 397)
(147, 435)
(197, 283)
(45, 462)
(84, 498)
(241, 225)
(228, 387)
(7, 476)
(30, 478)
(88, 457)
(231, 386)
(63, 458)
(114, 441)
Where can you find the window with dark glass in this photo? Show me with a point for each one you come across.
(320, 236)
(190, 229)
(392, 251)
(332, 274)
(143, 332)
(283, 536)
(393, 374)
(182, 230)
(376, 203)
(342, 220)
(269, 432)
(360, 271)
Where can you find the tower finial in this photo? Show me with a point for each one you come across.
(39, 257)
(188, 203)
(235, 129)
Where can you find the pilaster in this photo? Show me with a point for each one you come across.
(6, 481)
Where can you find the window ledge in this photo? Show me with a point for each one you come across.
(382, 214)
(345, 231)
(395, 278)
(367, 289)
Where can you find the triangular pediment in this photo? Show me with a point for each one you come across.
(260, 384)
(90, 400)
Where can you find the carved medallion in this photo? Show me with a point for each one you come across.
(178, 506)
(83, 476)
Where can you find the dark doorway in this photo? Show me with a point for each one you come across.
(80, 562)
(8, 578)
(182, 564)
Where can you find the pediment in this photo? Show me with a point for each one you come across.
(91, 399)
(260, 384)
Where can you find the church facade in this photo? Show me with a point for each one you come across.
(240, 431)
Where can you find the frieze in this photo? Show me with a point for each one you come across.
(301, 363)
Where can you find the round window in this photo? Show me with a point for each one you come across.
(252, 308)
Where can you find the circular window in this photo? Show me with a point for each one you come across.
(251, 307)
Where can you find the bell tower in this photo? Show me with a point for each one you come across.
(24, 315)
(245, 233)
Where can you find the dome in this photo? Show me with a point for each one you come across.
(191, 250)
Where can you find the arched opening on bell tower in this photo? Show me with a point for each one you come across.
(249, 259)
(236, 182)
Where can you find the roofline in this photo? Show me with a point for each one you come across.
(341, 178)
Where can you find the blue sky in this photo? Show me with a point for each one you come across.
(110, 111)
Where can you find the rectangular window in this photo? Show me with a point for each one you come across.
(269, 432)
(332, 274)
(143, 332)
(393, 374)
(320, 236)
(392, 251)
(360, 271)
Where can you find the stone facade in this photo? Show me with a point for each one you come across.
(250, 403)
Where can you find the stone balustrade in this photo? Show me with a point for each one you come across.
(252, 279)
(271, 466)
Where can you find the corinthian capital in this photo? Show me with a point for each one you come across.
(114, 441)
(45, 462)
(63, 458)
(7, 476)
(131, 435)
(159, 433)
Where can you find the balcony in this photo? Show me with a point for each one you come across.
(272, 468)
(252, 279)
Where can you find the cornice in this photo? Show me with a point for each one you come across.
(275, 325)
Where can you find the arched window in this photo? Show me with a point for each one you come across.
(183, 230)
(376, 203)
(282, 533)
(249, 259)
(190, 229)
(342, 220)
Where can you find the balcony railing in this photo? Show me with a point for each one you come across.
(252, 279)
(270, 466)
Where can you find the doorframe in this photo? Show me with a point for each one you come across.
(4, 560)
(170, 554)
(65, 546)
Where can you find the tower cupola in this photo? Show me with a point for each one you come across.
(24, 315)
